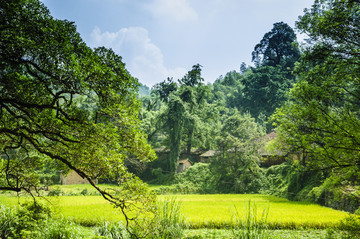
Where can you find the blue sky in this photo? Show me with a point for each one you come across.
(164, 38)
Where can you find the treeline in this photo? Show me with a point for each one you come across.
(187, 114)
(308, 93)
(230, 115)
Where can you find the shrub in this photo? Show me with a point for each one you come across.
(56, 191)
(84, 192)
(166, 223)
(113, 231)
(59, 228)
(197, 179)
(32, 220)
(351, 226)
(162, 178)
(6, 222)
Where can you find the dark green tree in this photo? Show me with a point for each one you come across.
(323, 116)
(265, 89)
(165, 88)
(184, 115)
(265, 86)
(46, 74)
(277, 47)
(193, 77)
(235, 167)
(175, 124)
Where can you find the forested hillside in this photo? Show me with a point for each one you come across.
(306, 93)
(287, 125)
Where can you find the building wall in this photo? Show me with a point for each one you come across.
(72, 178)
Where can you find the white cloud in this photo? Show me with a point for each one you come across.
(177, 10)
(143, 58)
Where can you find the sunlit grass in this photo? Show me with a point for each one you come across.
(218, 210)
(202, 211)
(87, 210)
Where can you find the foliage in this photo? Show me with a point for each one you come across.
(162, 178)
(351, 225)
(56, 191)
(252, 226)
(235, 167)
(260, 90)
(197, 179)
(184, 117)
(34, 221)
(65, 105)
(165, 88)
(277, 47)
(112, 230)
(322, 117)
(175, 122)
(169, 220)
(228, 90)
(294, 181)
(265, 89)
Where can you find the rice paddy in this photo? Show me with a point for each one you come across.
(203, 211)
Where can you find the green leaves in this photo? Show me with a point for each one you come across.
(235, 166)
(323, 115)
(265, 89)
(277, 47)
(65, 105)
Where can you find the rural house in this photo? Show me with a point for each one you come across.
(270, 157)
(183, 165)
(72, 178)
(206, 157)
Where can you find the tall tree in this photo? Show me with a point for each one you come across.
(277, 47)
(165, 88)
(181, 120)
(193, 77)
(323, 116)
(193, 93)
(265, 90)
(45, 72)
(175, 124)
(235, 167)
(265, 86)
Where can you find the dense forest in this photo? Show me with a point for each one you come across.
(305, 94)
(288, 125)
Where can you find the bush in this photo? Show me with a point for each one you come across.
(351, 226)
(166, 223)
(113, 231)
(162, 178)
(59, 228)
(23, 222)
(84, 192)
(34, 221)
(6, 222)
(197, 179)
(56, 191)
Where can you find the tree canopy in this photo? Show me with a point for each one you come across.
(323, 115)
(64, 103)
(277, 47)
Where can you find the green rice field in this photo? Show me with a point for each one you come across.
(203, 211)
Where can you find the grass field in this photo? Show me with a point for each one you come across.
(203, 211)
(218, 210)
